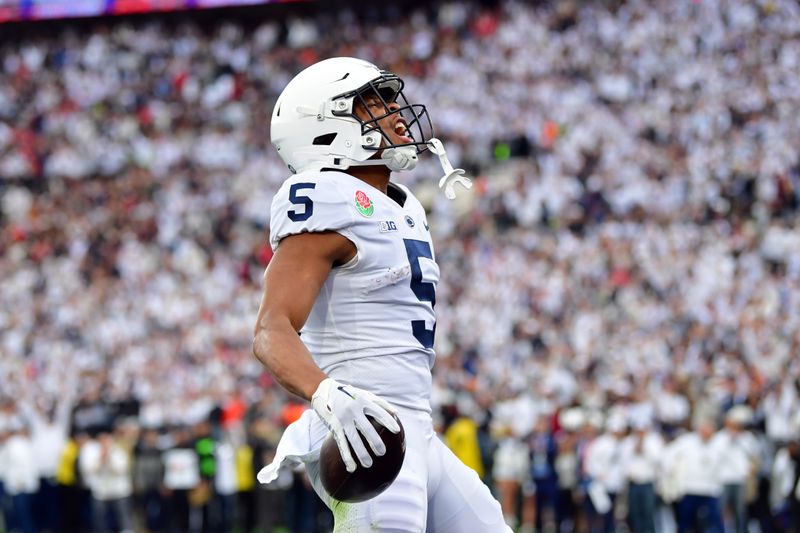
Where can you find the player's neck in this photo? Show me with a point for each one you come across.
(377, 176)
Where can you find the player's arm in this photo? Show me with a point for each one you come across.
(308, 223)
(292, 281)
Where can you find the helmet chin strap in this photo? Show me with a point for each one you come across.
(399, 159)
(395, 159)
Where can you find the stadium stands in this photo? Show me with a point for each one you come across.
(630, 255)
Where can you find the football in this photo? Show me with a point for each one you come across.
(364, 483)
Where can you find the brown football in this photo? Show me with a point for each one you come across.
(364, 483)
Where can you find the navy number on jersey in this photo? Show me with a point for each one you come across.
(425, 291)
(300, 200)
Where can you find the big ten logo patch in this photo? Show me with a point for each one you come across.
(386, 226)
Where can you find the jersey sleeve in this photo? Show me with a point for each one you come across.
(308, 203)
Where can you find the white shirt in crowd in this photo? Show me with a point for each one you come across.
(19, 472)
(671, 408)
(783, 476)
(694, 465)
(642, 457)
(781, 407)
(567, 469)
(49, 436)
(605, 462)
(739, 452)
(512, 461)
(225, 480)
(48, 443)
(181, 469)
(106, 473)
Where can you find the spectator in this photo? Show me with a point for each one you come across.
(270, 499)
(181, 477)
(5, 504)
(511, 471)
(697, 459)
(672, 408)
(20, 475)
(225, 484)
(246, 486)
(567, 468)
(74, 496)
(542, 447)
(461, 436)
(105, 466)
(605, 465)
(148, 480)
(786, 486)
(204, 495)
(49, 437)
(301, 505)
(644, 451)
(739, 464)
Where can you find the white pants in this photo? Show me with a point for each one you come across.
(434, 491)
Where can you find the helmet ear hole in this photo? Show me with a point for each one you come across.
(324, 140)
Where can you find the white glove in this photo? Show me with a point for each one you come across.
(343, 409)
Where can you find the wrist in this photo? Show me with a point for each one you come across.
(312, 386)
(322, 388)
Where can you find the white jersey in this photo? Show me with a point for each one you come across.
(372, 324)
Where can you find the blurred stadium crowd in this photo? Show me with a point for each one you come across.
(624, 281)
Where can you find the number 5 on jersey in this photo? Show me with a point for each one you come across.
(425, 291)
(300, 200)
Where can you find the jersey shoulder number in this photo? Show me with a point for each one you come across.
(308, 202)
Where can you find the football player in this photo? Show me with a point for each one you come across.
(347, 319)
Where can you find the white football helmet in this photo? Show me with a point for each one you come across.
(314, 127)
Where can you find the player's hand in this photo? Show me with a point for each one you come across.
(344, 410)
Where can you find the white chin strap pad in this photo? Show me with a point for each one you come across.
(397, 159)
(451, 175)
